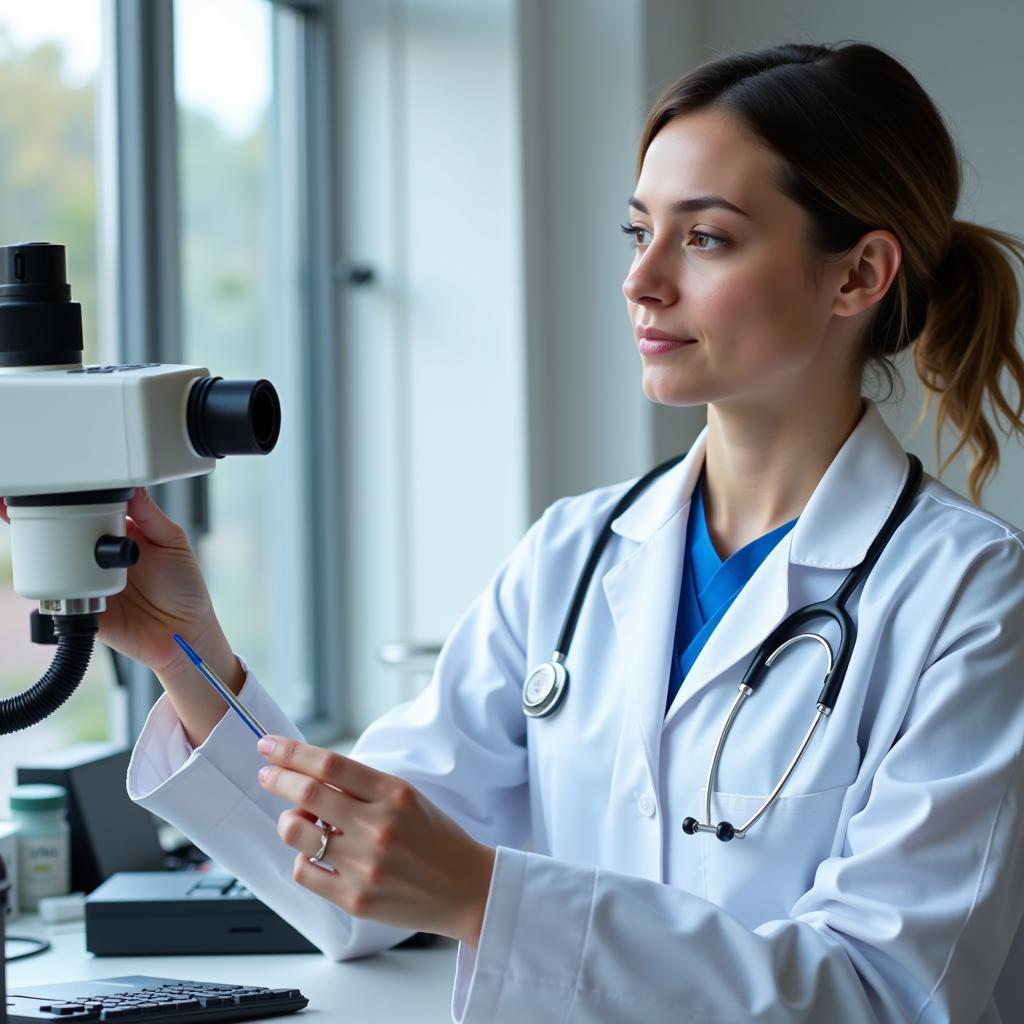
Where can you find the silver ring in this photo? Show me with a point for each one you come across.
(319, 855)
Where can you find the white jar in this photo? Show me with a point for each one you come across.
(44, 864)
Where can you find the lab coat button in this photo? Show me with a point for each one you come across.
(645, 805)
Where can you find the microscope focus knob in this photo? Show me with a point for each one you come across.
(116, 552)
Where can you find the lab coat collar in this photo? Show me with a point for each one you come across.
(844, 514)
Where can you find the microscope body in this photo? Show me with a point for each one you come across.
(81, 438)
(99, 427)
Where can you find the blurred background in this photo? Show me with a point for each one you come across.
(405, 214)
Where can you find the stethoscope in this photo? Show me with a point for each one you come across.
(546, 686)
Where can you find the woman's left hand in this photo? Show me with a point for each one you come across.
(397, 858)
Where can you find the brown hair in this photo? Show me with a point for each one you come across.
(864, 147)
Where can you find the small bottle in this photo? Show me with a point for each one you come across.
(44, 864)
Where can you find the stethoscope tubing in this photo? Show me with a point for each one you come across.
(835, 673)
(835, 606)
(597, 549)
(781, 637)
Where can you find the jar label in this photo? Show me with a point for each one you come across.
(43, 868)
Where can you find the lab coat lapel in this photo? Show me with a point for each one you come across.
(642, 592)
(643, 595)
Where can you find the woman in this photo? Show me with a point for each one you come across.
(886, 883)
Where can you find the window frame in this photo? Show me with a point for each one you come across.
(147, 314)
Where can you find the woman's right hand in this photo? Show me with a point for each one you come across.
(165, 593)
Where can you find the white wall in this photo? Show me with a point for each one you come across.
(590, 70)
(434, 364)
(581, 82)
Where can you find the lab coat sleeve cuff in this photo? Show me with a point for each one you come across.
(534, 931)
(212, 794)
(162, 750)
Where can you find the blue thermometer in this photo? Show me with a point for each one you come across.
(218, 684)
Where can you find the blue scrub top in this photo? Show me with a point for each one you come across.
(710, 585)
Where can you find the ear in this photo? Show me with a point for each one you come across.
(870, 268)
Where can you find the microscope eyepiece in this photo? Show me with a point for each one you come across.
(39, 324)
(233, 417)
(34, 269)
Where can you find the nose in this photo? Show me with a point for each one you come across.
(651, 280)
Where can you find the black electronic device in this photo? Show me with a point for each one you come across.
(169, 913)
(159, 913)
(142, 998)
(109, 833)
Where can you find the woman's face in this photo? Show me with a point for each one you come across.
(738, 283)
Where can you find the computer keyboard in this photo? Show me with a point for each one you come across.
(140, 998)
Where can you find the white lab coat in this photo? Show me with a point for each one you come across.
(886, 883)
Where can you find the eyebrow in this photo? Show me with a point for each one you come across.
(692, 205)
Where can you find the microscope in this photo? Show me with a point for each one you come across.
(75, 442)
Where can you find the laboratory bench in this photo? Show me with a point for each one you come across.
(399, 985)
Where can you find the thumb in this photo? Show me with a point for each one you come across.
(153, 523)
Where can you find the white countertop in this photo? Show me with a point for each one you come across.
(404, 985)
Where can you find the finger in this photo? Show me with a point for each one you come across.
(152, 521)
(359, 780)
(300, 833)
(322, 879)
(310, 794)
(300, 814)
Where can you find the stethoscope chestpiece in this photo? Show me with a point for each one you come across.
(544, 688)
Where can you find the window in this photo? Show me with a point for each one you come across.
(50, 57)
(243, 300)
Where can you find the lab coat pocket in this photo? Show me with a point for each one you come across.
(759, 877)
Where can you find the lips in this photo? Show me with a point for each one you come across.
(648, 333)
(652, 341)
(654, 347)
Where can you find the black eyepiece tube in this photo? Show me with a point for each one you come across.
(233, 417)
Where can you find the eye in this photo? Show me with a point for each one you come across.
(635, 230)
(722, 243)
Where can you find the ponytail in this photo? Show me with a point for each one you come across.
(967, 342)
